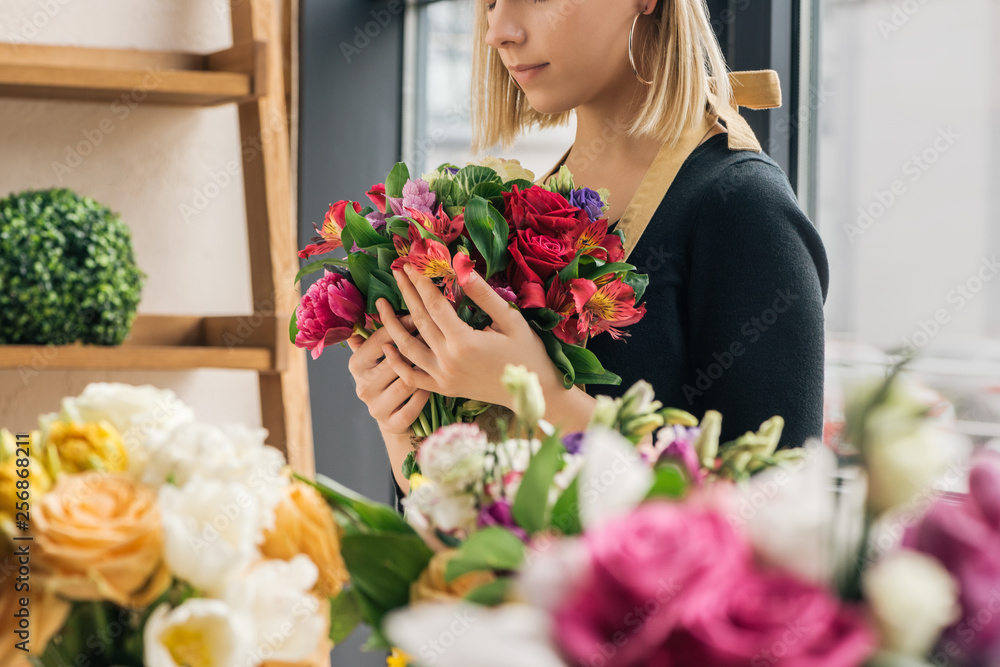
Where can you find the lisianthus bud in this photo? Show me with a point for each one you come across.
(707, 444)
(523, 386)
(606, 412)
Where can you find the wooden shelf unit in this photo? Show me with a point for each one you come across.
(254, 75)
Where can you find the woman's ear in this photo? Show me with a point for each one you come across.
(648, 7)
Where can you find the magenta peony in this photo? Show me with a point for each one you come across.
(330, 311)
(964, 535)
(641, 567)
(747, 617)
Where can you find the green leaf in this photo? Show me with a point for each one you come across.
(361, 265)
(587, 367)
(384, 566)
(572, 270)
(312, 267)
(544, 319)
(396, 180)
(638, 282)
(532, 501)
(566, 512)
(521, 183)
(596, 268)
(382, 285)
(488, 231)
(386, 256)
(669, 481)
(471, 176)
(362, 232)
(410, 465)
(293, 325)
(374, 516)
(554, 348)
(491, 548)
(491, 594)
(345, 615)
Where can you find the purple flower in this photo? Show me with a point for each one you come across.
(588, 200)
(677, 442)
(500, 514)
(964, 535)
(377, 219)
(501, 287)
(416, 195)
(573, 442)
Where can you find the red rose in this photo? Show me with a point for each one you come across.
(541, 210)
(537, 256)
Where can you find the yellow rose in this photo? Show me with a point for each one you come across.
(98, 536)
(508, 170)
(304, 524)
(80, 446)
(431, 586)
(47, 613)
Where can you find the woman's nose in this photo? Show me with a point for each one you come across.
(505, 25)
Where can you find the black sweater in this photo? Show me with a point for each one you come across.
(737, 281)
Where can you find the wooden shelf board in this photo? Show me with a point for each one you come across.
(125, 357)
(131, 76)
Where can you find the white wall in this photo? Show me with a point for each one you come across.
(147, 166)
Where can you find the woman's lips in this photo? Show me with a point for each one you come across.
(525, 73)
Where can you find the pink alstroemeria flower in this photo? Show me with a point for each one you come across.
(443, 227)
(559, 299)
(593, 238)
(329, 312)
(605, 307)
(377, 195)
(433, 260)
(333, 224)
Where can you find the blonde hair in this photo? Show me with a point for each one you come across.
(682, 56)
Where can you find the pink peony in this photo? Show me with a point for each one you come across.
(641, 569)
(746, 617)
(964, 535)
(329, 312)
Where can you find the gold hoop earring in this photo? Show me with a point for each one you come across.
(631, 58)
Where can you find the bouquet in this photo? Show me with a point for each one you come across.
(480, 512)
(146, 538)
(545, 249)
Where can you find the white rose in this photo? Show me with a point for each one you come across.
(230, 453)
(141, 414)
(913, 598)
(202, 632)
(285, 617)
(210, 530)
(903, 462)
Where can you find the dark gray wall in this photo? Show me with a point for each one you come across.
(350, 102)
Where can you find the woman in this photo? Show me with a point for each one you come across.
(738, 274)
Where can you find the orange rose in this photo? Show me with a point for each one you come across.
(431, 586)
(304, 524)
(98, 536)
(47, 613)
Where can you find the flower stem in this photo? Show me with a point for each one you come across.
(361, 331)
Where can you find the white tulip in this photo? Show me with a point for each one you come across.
(202, 632)
(287, 621)
(913, 598)
(227, 453)
(210, 530)
(461, 634)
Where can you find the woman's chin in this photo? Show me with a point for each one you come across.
(546, 104)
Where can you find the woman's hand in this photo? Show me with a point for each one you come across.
(453, 359)
(391, 401)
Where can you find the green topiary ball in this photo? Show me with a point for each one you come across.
(67, 271)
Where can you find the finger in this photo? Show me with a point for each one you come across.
(409, 411)
(390, 398)
(417, 305)
(505, 317)
(412, 375)
(354, 342)
(436, 305)
(412, 347)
